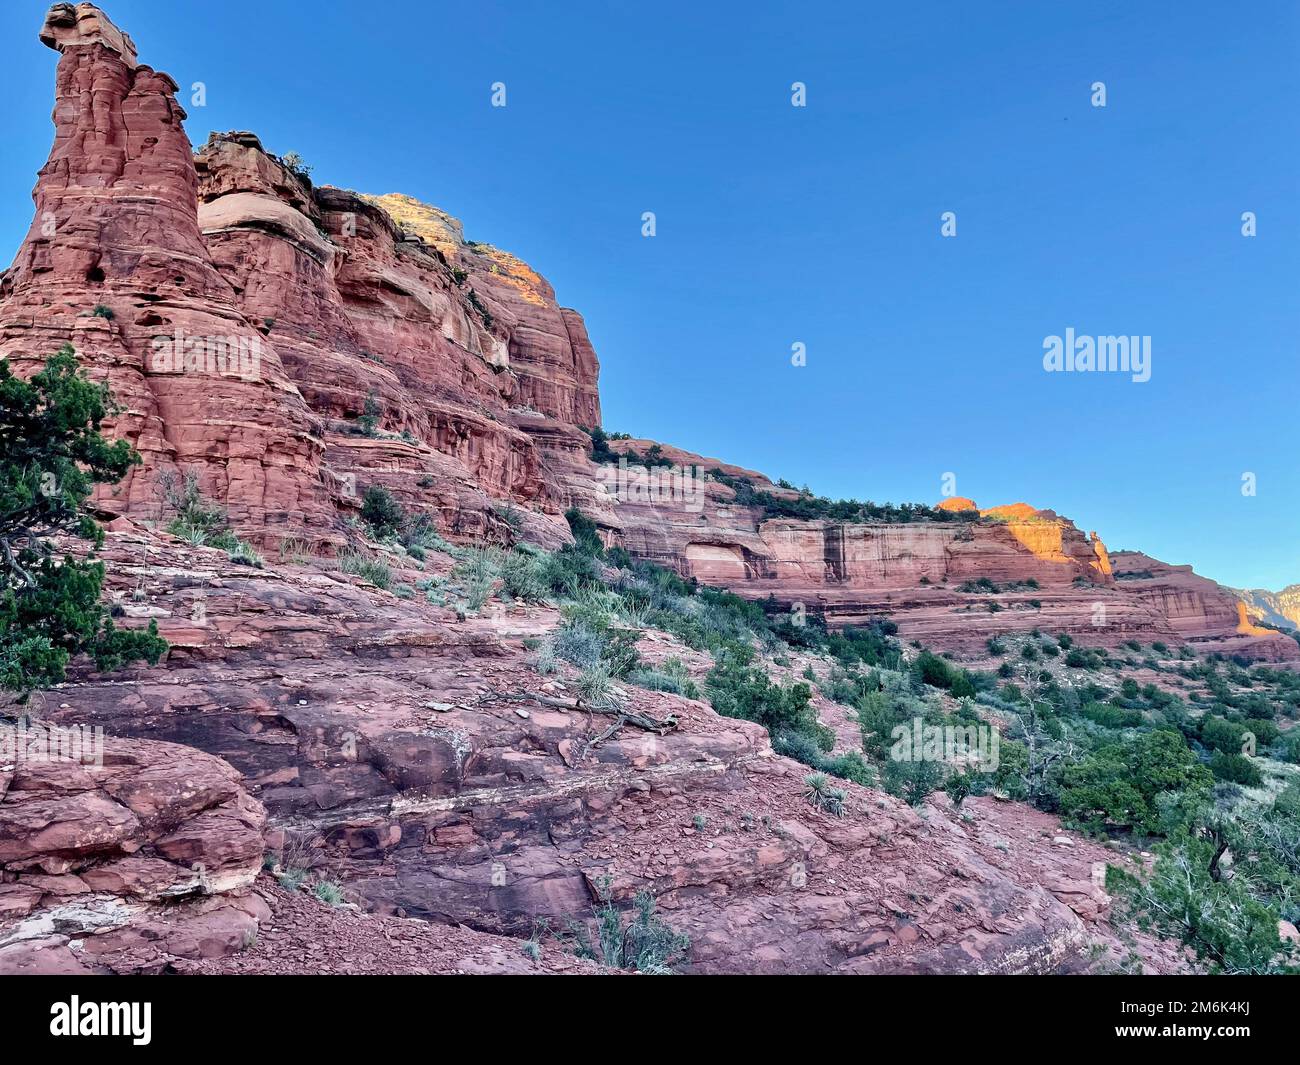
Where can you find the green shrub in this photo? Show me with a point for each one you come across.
(328, 891)
(524, 577)
(586, 535)
(196, 521)
(959, 786)
(579, 644)
(245, 555)
(1236, 769)
(52, 455)
(381, 512)
(569, 570)
(669, 676)
(912, 779)
(849, 766)
(878, 713)
(1221, 918)
(1287, 747)
(933, 670)
(736, 688)
(368, 569)
(1109, 716)
(1219, 734)
(1118, 785)
(595, 685)
(646, 943)
(818, 791)
(1085, 658)
(478, 571)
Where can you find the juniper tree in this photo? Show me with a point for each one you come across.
(52, 455)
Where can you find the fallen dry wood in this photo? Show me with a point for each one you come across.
(625, 717)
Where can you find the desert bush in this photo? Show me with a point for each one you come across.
(849, 766)
(1219, 734)
(578, 644)
(670, 675)
(382, 513)
(819, 793)
(595, 684)
(545, 660)
(478, 570)
(646, 943)
(367, 568)
(737, 688)
(1236, 769)
(245, 554)
(1118, 785)
(912, 779)
(523, 576)
(196, 520)
(1109, 716)
(328, 891)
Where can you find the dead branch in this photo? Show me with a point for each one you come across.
(626, 717)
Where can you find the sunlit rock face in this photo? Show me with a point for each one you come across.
(250, 322)
(437, 773)
(950, 584)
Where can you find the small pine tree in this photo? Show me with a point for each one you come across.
(51, 456)
(368, 420)
(381, 511)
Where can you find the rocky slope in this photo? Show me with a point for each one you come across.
(948, 584)
(124, 858)
(289, 345)
(429, 769)
(1197, 610)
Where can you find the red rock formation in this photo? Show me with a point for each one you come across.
(434, 769)
(305, 935)
(923, 575)
(117, 859)
(441, 777)
(548, 347)
(1277, 608)
(479, 378)
(319, 297)
(956, 504)
(1198, 611)
(114, 259)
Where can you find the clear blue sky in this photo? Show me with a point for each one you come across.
(821, 224)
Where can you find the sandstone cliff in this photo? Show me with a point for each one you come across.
(292, 344)
(1276, 608)
(438, 776)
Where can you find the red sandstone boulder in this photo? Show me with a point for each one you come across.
(89, 849)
